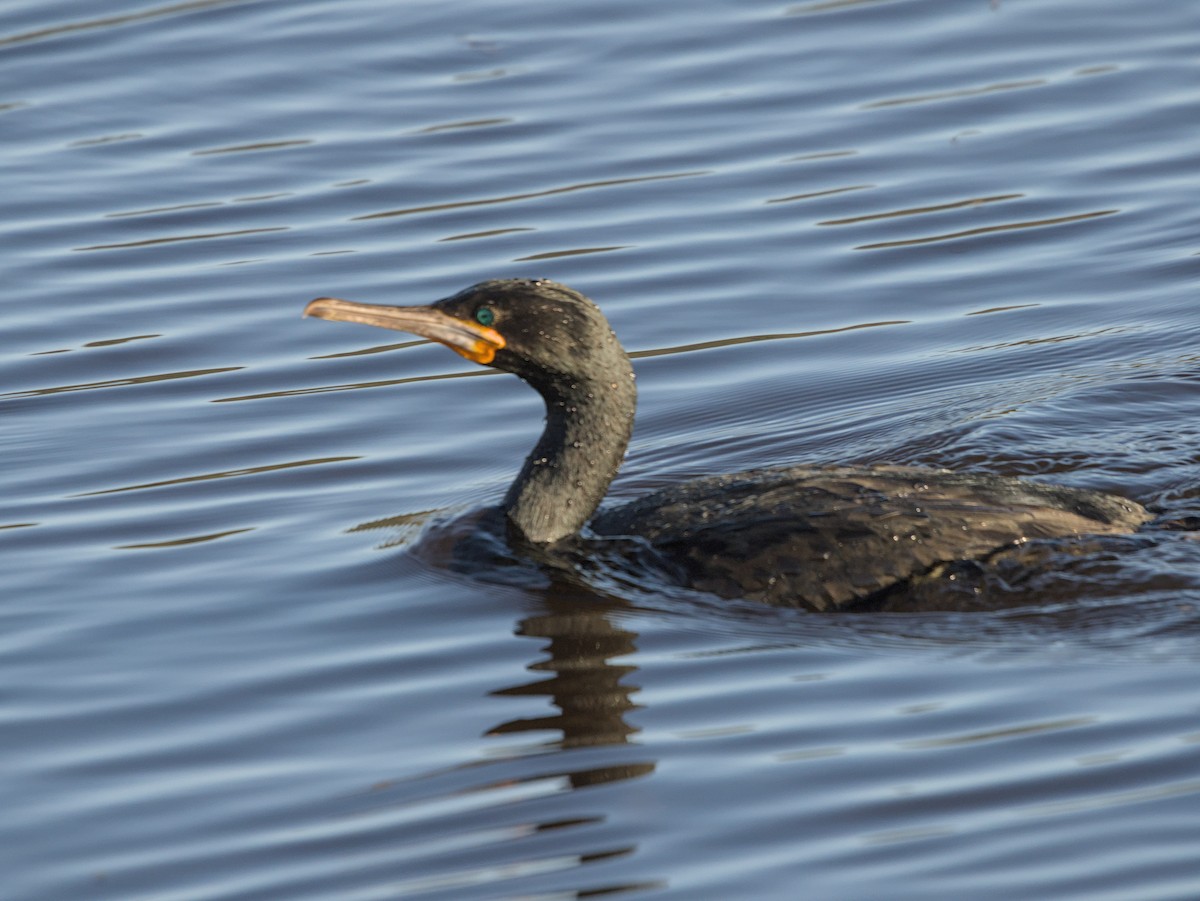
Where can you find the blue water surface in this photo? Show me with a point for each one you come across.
(235, 662)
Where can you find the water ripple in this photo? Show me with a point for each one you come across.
(70, 28)
(987, 230)
(530, 195)
(123, 383)
(175, 239)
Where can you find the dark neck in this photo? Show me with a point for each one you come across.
(588, 425)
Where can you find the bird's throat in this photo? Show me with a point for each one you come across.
(568, 472)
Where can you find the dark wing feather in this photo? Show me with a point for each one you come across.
(824, 538)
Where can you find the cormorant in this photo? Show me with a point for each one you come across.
(817, 537)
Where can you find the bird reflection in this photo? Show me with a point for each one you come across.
(585, 685)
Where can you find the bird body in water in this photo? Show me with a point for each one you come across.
(818, 537)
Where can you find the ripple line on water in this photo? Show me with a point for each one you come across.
(180, 542)
(987, 229)
(921, 210)
(529, 195)
(253, 148)
(579, 251)
(174, 239)
(956, 94)
(792, 198)
(112, 21)
(122, 383)
(225, 474)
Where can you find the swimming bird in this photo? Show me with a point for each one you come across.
(809, 536)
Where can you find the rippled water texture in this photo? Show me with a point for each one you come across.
(235, 662)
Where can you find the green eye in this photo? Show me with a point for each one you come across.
(485, 316)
